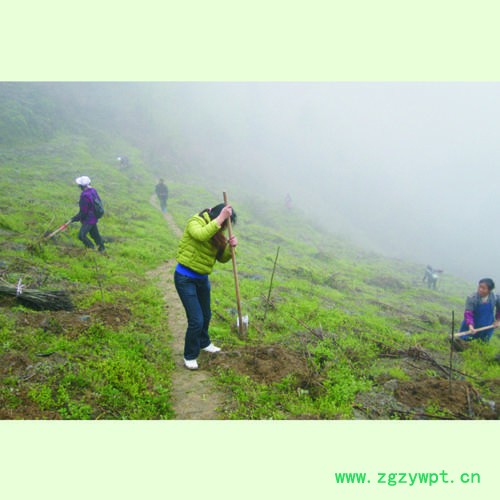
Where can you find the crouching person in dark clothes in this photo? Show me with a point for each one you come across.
(87, 215)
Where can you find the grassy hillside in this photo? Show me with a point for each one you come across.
(109, 358)
(345, 334)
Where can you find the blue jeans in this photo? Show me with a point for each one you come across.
(195, 297)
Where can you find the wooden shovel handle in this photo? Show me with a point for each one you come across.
(235, 273)
(229, 225)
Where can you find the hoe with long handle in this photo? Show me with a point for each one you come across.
(242, 322)
(58, 230)
(463, 334)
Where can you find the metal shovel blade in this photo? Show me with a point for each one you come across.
(244, 325)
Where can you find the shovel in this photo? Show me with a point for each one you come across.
(242, 322)
(58, 230)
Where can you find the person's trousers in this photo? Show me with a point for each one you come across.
(90, 229)
(195, 297)
(163, 204)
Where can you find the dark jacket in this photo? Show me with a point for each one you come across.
(87, 214)
(161, 190)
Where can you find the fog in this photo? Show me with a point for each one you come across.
(407, 169)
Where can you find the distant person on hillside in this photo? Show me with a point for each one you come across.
(481, 309)
(288, 201)
(162, 192)
(202, 244)
(431, 276)
(123, 161)
(88, 214)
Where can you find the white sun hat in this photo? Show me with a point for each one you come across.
(83, 180)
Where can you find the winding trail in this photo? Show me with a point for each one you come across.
(193, 393)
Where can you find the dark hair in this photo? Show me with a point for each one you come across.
(214, 212)
(218, 240)
(488, 282)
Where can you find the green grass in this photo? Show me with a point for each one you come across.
(343, 307)
(105, 371)
(363, 303)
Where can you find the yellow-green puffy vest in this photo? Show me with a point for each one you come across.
(196, 249)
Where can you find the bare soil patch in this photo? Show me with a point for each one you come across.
(74, 323)
(461, 401)
(12, 363)
(114, 315)
(264, 364)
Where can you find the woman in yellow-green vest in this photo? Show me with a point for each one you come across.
(202, 244)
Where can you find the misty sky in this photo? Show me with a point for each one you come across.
(410, 169)
(407, 169)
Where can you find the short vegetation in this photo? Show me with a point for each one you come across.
(345, 333)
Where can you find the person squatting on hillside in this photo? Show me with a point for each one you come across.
(162, 192)
(124, 162)
(431, 276)
(87, 215)
(481, 309)
(202, 244)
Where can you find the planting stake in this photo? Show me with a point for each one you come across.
(271, 284)
(451, 344)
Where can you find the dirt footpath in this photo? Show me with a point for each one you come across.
(193, 393)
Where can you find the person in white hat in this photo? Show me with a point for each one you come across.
(88, 215)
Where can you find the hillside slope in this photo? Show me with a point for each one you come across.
(345, 334)
(109, 358)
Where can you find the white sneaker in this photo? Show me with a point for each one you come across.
(211, 348)
(191, 364)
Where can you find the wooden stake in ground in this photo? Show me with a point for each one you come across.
(271, 284)
(242, 321)
(451, 344)
(98, 278)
